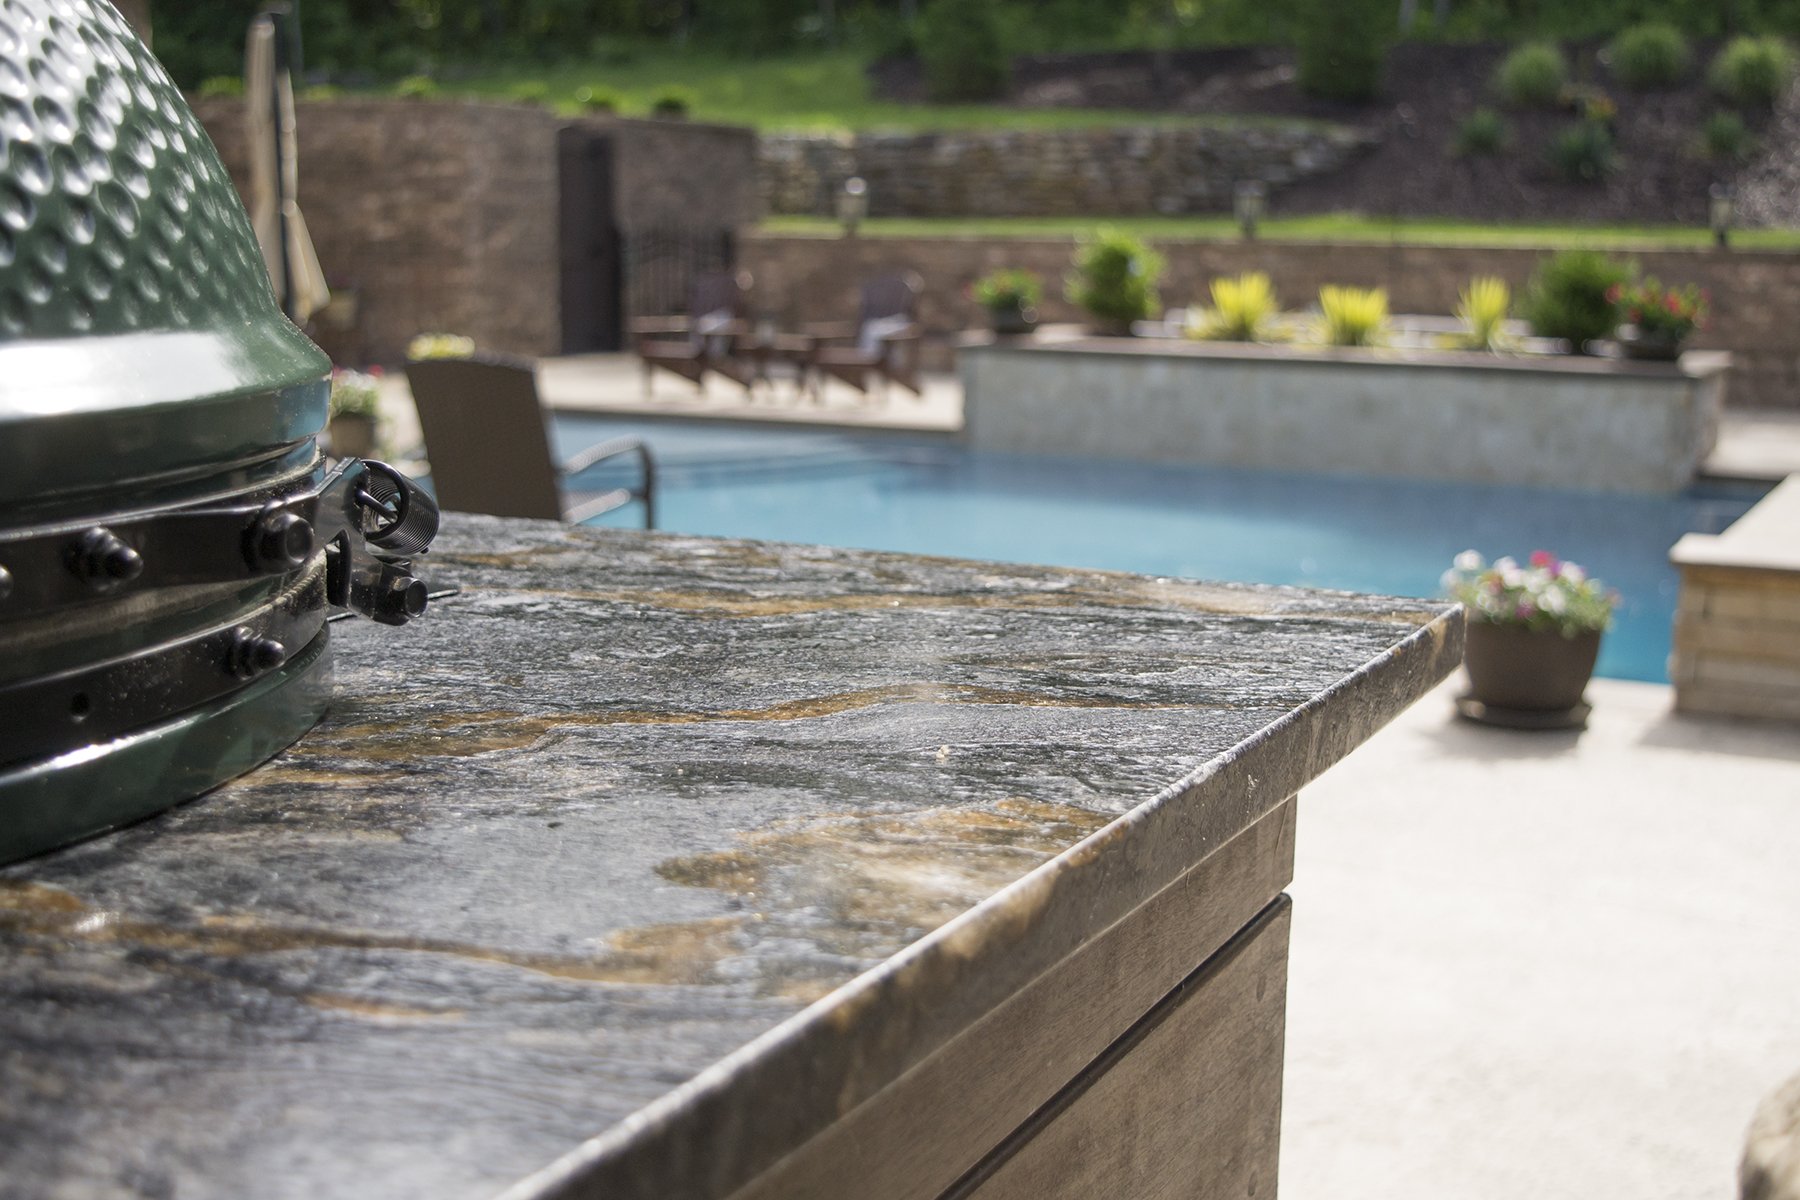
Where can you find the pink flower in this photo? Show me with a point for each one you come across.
(1544, 559)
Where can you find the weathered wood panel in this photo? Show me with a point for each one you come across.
(936, 1122)
(1187, 1106)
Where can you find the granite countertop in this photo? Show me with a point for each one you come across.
(553, 887)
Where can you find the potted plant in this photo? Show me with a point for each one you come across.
(1569, 297)
(355, 410)
(1657, 320)
(1533, 637)
(1010, 297)
(1114, 281)
(1243, 310)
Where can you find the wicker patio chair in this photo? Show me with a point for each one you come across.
(883, 341)
(706, 338)
(490, 450)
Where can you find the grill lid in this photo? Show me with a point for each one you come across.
(171, 537)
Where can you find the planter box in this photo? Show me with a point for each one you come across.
(1591, 423)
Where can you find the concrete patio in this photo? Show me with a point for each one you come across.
(1559, 966)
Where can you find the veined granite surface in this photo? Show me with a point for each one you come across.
(595, 833)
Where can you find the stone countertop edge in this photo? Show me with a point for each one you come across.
(712, 1135)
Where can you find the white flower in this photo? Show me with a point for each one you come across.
(1552, 602)
(1509, 563)
(1470, 561)
(1573, 573)
(1450, 580)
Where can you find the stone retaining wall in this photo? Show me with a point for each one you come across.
(1754, 294)
(1046, 172)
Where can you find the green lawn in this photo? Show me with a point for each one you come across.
(1334, 227)
(825, 91)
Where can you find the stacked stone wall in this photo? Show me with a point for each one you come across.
(1047, 172)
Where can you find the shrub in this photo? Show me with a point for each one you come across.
(221, 85)
(439, 345)
(416, 87)
(1533, 76)
(1726, 137)
(1584, 153)
(1672, 313)
(1343, 47)
(598, 99)
(1649, 56)
(1753, 72)
(1570, 297)
(672, 101)
(1241, 309)
(1482, 307)
(355, 393)
(1008, 288)
(532, 91)
(962, 50)
(1114, 277)
(1352, 316)
(1481, 132)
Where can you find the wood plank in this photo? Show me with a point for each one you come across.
(914, 1138)
(1758, 640)
(1186, 1106)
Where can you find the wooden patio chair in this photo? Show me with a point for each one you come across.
(706, 338)
(883, 341)
(490, 450)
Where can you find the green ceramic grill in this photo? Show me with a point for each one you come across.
(172, 539)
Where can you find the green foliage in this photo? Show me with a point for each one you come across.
(1753, 72)
(439, 345)
(1548, 595)
(1584, 152)
(1482, 307)
(1114, 277)
(1652, 55)
(416, 87)
(962, 50)
(1726, 138)
(355, 393)
(1008, 288)
(596, 98)
(1533, 76)
(532, 91)
(672, 101)
(221, 85)
(1241, 311)
(1352, 316)
(1571, 296)
(1343, 47)
(321, 91)
(1482, 132)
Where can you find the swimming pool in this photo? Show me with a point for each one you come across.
(934, 496)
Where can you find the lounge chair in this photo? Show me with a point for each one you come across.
(490, 451)
(883, 341)
(703, 340)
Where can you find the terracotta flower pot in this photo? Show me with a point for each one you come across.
(1528, 671)
(352, 435)
(1635, 343)
(1013, 320)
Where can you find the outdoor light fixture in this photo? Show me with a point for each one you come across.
(1247, 203)
(853, 204)
(172, 539)
(1723, 213)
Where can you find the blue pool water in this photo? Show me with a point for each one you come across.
(1368, 535)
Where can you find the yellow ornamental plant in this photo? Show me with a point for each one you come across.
(1482, 307)
(1352, 316)
(1241, 311)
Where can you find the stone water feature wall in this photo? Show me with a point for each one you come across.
(1047, 172)
(1755, 294)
